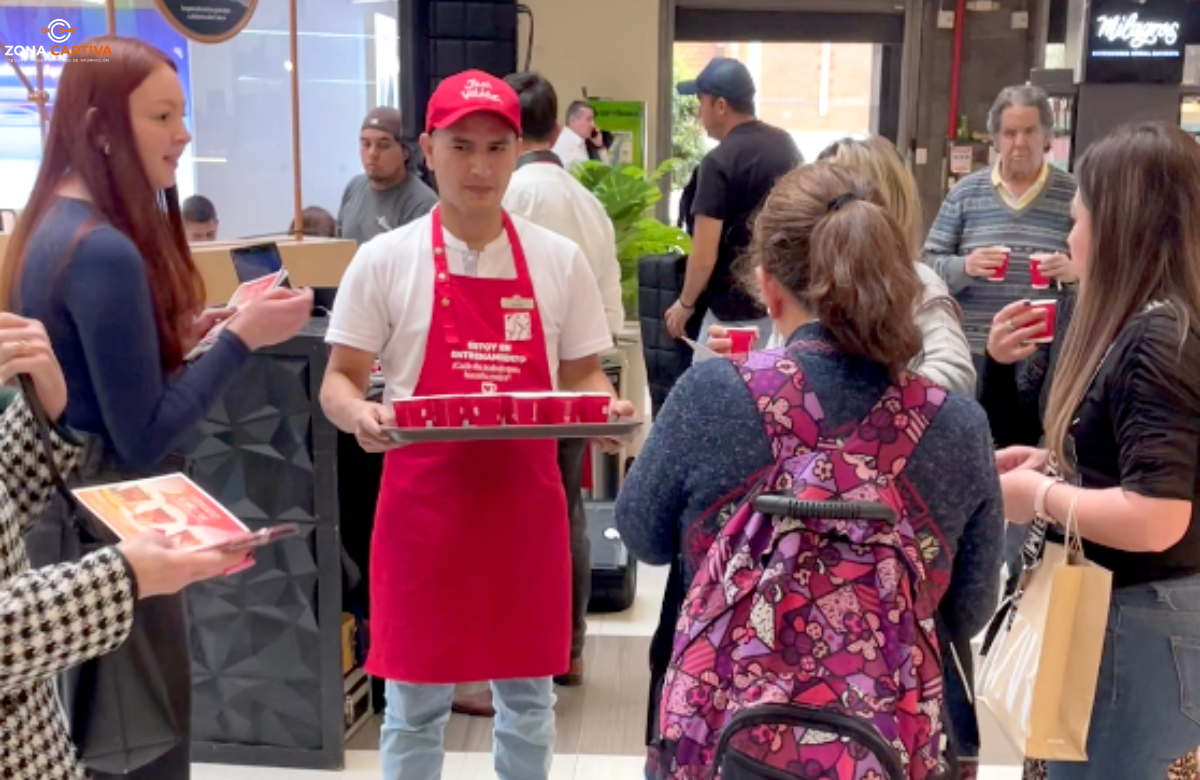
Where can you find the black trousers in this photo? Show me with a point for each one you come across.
(570, 462)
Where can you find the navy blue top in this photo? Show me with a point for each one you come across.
(708, 443)
(98, 309)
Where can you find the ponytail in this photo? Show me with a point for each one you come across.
(825, 236)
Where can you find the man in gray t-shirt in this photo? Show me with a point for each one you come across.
(386, 195)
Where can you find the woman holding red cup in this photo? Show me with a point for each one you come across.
(946, 357)
(1122, 455)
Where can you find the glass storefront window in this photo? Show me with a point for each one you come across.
(239, 98)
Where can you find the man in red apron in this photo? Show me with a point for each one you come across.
(470, 564)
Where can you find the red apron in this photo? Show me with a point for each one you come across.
(470, 557)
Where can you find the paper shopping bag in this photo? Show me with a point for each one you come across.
(1038, 677)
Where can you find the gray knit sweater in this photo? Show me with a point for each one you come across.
(975, 216)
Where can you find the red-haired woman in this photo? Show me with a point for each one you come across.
(100, 257)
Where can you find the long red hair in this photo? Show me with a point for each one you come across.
(91, 136)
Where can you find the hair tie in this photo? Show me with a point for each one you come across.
(841, 200)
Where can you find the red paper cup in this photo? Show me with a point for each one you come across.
(486, 411)
(1001, 273)
(559, 409)
(416, 413)
(453, 411)
(525, 409)
(1036, 279)
(595, 408)
(743, 339)
(1051, 309)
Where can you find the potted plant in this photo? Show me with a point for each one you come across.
(629, 195)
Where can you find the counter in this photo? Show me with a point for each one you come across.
(266, 644)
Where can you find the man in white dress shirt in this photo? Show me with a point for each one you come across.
(544, 193)
(580, 139)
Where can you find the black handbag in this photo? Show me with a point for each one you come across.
(130, 707)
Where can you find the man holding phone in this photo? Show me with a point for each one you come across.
(471, 563)
(580, 140)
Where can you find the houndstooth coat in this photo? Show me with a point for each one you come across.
(51, 618)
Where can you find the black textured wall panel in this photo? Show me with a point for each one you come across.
(266, 643)
(443, 37)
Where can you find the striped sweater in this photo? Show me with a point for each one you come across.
(974, 216)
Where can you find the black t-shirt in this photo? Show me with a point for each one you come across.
(1139, 428)
(732, 183)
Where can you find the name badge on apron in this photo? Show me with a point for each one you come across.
(517, 303)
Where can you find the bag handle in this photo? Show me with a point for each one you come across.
(42, 429)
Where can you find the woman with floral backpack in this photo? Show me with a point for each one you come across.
(833, 415)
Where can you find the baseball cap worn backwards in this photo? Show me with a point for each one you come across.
(385, 119)
(472, 92)
(722, 78)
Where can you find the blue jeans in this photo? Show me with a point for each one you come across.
(1147, 711)
(415, 720)
(766, 327)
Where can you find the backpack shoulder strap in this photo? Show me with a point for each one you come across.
(790, 412)
(897, 423)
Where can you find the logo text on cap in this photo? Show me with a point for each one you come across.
(475, 89)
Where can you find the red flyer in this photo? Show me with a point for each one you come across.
(172, 505)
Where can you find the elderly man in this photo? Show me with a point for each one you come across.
(1003, 215)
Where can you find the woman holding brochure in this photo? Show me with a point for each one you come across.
(101, 258)
(38, 607)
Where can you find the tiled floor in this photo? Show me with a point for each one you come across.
(364, 765)
(600, 725)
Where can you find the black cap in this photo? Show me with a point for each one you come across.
(722, 78)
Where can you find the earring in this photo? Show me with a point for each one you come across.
(107, 149)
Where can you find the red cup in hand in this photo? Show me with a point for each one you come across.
(743, 339)
(1001, 273)
(1037, 279)
(1047, 334)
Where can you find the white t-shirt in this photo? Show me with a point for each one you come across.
(547, 195)
(571, 148)
(385, 301)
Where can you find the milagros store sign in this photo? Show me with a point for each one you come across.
(56, 46)
(1136, 41)
(1129, 36)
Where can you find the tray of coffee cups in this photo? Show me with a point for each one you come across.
(507, 416)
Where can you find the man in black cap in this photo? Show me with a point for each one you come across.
(732, 182)
(386, 195)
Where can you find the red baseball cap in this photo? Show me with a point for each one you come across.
(471, 92)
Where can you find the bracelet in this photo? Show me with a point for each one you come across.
(1073, 524)
(684, 305)
(1039, 498)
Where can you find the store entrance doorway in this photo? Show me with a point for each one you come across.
(821, 76)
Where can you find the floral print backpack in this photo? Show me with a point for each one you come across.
(806, 647)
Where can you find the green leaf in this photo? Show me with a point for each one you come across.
(629, 194)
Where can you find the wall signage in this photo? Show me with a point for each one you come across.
(1135, 42)
(208, 21)
(1128, 31)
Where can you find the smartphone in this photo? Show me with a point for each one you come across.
(253, 539)
(257, 261)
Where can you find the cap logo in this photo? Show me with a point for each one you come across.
(475, 89)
